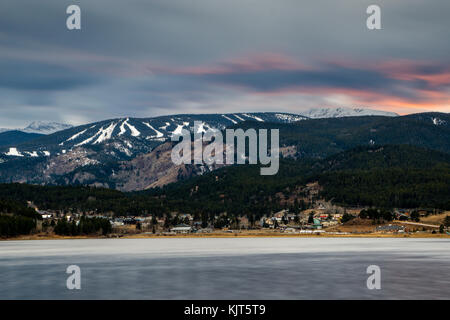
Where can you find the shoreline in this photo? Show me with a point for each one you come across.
(230, 235)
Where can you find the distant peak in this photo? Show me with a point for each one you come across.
(339, 112)
(45, 127)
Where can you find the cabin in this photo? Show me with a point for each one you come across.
(181, 228)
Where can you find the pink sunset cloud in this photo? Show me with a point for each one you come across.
(396, 85)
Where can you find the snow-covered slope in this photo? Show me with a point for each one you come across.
(127, 137)
(319, 113)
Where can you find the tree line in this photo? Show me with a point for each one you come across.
(85, 226)
(16, 218)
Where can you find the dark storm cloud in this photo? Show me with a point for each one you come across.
(337, 77)
(327, 76)
(26, 75)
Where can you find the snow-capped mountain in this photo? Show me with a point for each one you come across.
(125, 153)
(320, 113)
(126, 137)
(45, 127)
(41, 127)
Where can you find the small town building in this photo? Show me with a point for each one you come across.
(182, 228)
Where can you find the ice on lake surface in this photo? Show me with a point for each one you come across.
(226, 268)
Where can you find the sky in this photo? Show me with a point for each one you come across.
(148, 58)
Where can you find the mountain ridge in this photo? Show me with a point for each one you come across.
(15, 137)
(149, 164)
(339, 112)
(124, 138)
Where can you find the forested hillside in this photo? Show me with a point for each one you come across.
(14, 137)
(386, 176)
(320, 138)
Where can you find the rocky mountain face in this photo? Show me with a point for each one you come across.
(145, 171)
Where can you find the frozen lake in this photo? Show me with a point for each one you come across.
(226, 268)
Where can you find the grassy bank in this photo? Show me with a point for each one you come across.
(241, 234)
